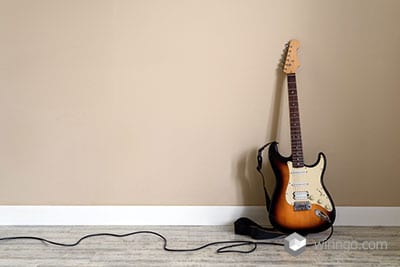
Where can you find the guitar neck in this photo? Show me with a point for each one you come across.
(294, 115)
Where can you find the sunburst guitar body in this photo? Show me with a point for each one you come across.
(300, 202)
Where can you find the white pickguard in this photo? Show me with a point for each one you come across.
(305, 185)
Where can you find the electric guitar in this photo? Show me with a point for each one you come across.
(300, 201)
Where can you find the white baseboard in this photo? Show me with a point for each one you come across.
(176, 215)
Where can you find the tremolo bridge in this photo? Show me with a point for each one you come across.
(301, 205)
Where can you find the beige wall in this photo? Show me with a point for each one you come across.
(166, 102)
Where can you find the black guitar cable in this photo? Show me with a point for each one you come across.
(230, 246)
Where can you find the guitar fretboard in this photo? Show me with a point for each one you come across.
(294, 115)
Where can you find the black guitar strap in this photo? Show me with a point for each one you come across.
(259, 170)
(245, 226)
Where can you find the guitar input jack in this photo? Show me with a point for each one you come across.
(322, 215)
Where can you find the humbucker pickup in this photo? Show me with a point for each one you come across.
(301, 205)
(300, 195)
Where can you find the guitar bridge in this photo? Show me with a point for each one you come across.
(301, 205)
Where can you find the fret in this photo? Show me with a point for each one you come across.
(294, 115)
(297, 148)
(291, 78)
(297, 144)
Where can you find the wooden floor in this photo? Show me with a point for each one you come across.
(349, 246)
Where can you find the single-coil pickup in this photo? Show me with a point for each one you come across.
(300, 195)
(298, 183)
(301, 171)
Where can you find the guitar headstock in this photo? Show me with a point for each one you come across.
(291, 61)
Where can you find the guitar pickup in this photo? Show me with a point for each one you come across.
(300, 195)
(301, 205)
